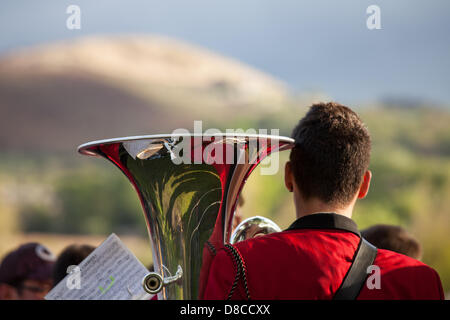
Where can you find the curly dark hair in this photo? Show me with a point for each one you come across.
(71, 255)
(394, 238)
(331, 153)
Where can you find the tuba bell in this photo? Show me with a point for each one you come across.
(188, 186)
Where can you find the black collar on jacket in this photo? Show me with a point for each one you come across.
(325, 221)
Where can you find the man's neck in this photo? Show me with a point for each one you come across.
(313, 206)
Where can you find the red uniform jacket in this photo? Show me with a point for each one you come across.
(310, 260)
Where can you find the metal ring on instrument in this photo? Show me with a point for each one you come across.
(154, 282)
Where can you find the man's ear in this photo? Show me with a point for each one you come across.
(364, 188)
(8, 292)
(288, 177)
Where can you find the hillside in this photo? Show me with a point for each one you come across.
(57, 96)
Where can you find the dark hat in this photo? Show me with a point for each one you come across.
(30, 261)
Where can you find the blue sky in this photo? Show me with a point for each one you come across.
(321, 45)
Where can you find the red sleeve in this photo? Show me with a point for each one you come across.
(221, 277)
(432, 286)
(439, 285)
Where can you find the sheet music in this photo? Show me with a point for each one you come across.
(110, 272)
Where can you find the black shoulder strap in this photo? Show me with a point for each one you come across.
(357, 274)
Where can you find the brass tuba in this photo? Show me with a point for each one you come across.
(188, 186)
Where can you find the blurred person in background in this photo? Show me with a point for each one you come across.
(26, 273)
(393, 238)
(72, 255)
